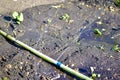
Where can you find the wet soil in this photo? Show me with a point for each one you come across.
(73, 41)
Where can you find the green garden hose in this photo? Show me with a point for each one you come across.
(46, 58)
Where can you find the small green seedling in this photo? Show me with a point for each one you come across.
(97, 32)
(65, 17)
(101, 47)
(49, 21)
(117, 2)
(18, 17)
(5, 78)
(94, 75)
(116, 48)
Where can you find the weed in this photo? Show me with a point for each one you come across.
(101, 47)
(97, 32)
(116, 48)
(94, 75)
(18, 17)
(65, 17)
(49, 21)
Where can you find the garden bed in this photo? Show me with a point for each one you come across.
(64, 32)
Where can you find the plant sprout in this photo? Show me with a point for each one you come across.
(116, 48)
(65, 17)
(18, 17)
(94, 75)
(101, 47)
(49, 21)
(97, 31)
(5, 78)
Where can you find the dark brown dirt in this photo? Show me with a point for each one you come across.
(72, 42)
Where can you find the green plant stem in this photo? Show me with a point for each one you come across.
(46, 58)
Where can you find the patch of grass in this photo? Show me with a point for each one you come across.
(97, 32)
(18, 17)
(116, 48)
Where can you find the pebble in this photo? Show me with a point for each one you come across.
(111, 9)
(72, 65)
(14, 0)
(21, 62)
(99, 17)
(20, 31)
(109, 69)
(8, 66)
(103, 30)
(20, 67)
(82, 3)
(27, 74)
(99, 22)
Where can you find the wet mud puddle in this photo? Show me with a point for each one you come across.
(108, 36)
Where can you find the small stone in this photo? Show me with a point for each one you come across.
(99, 8)
(76, 69)
(72, 65)
(111, 9)
(46, 31)
(43, 77)
(111, 56)
(82, 3)
(27, 74)
(87, 5)
(103, 29)
(99, 17)
(112, 37)
(8, 66)
(14, 0)
(99, 22)
(20, 31)
(21, 62)
(39, 12)
(98, 75)
(71, 21)
(20, 67)
(109, 69)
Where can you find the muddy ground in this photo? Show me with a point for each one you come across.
(71, 41)
(19, 5)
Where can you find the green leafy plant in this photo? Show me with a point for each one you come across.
(116, 48)
(94, 75)
(18, 17)
(65, 17)
(117, 2)
(97, 32)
